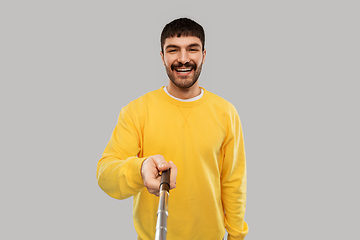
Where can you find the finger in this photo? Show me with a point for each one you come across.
(173, 175)
(149, 166)
(153, 185)
(156, 193)
(161, 163)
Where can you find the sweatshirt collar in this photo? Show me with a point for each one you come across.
(179, 102)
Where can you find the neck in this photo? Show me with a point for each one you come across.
(181, 93)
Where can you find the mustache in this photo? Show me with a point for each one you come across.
(187, 65)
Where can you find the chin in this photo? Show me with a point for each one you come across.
(183, 84)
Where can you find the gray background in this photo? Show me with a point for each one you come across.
(291, 68)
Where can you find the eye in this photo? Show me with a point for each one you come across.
(193, 50)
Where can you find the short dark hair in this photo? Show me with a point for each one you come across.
(182, 27)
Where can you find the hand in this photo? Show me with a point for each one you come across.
(150, 172)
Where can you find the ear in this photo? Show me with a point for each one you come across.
(162, 57)
(204, 54)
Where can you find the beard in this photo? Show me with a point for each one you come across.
(183, 82)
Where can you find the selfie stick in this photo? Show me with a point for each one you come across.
(162, 213)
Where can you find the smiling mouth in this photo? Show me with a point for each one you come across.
(183, 70)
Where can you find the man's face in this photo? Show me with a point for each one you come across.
(183, 58)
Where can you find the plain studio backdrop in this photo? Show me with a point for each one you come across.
(291, 68)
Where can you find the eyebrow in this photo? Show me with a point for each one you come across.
(171, 46)
(195, 45)
(190, 46)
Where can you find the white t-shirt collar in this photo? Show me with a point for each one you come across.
(186, 100)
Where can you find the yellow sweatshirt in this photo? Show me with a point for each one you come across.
(204, 140)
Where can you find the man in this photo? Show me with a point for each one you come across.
(190, 130)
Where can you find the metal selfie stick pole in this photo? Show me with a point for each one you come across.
(162, 213)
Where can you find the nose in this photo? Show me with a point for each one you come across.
(183, 57)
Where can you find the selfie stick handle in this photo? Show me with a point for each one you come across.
(162, 213)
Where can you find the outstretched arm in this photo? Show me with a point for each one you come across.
(120, 173)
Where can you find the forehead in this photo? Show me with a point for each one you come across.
(182, 41)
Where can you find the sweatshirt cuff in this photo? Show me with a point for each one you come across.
(239, 235)
(134, 173)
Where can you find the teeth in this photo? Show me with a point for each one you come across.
(183, 69)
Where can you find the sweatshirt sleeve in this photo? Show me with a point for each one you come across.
(233, 181)
(118, 171)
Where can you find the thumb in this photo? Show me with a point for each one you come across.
(160, 162)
